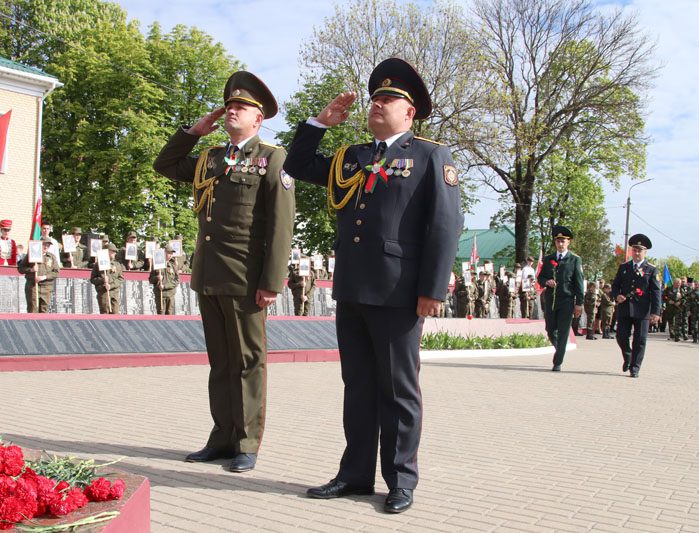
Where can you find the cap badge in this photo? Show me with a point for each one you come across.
(236, 92)
(386, 82)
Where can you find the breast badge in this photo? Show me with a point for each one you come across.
(287, 181)
(451, 177)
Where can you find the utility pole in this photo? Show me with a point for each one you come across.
(628, 212)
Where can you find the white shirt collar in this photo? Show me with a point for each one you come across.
(391, 139)
(240, 145)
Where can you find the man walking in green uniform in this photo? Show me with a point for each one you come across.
(165, 283)
(245, 206)
(44, 273)
(561, 274)
(108, 283)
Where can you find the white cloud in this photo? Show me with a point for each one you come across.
(267, 34)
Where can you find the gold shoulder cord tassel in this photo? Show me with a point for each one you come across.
(201, 183)
(335, 178)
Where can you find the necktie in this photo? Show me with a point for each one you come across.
(560, 256)
(380, 150)
(635, 267)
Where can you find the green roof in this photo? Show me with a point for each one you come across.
(488, 242)
(23, 68)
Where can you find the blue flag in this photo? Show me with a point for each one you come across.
(667, 278)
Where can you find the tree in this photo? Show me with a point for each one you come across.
(315, 226)
(558, 70)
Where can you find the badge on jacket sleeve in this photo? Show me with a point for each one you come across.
(287, 181)
(451, 177)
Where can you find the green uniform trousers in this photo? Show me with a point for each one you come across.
(558, 323)
(109, 304)
(164, 301)
(40, 305)
(234, 329)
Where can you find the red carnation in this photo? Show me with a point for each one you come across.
(554, 263)
(77, 498)
(639, 292)
(118, 488)
(470, 317)
(11, 460)
(62, 486)
(45, 493)
(11, 511)
(98, 490)
(7, 487)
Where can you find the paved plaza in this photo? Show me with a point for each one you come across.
(507, 444)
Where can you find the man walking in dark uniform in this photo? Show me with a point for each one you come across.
(561, 274)
(245, 206)
(636, 289)
(398, 222)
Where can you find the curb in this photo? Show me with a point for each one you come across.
(428, 355)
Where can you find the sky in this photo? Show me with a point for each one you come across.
(266, 35)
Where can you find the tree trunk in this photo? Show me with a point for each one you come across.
(523, 211)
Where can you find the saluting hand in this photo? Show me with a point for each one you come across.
(337, 111)
(207, 124)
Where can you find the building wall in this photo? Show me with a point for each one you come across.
(17, 183)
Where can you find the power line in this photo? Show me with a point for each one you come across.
(664, 234)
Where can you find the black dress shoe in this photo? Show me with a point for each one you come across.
(398, 500)
(207, 454)
(634, 374)
(243, 462)
(556, 368)
(337, 489)
(624, 367)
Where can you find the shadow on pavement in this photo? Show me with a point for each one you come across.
(520, 368)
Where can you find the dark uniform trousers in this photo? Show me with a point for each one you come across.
(634, 313)
(393, 245)
(558, 324)
(237, 380)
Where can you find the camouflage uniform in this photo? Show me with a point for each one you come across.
(484, 294)
(606, 310)
(678, 323)
(465, 298)
(591, 303)
(693, 304)
(301, 286)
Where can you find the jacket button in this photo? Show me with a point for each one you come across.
(213, 199)
(216, 182)
(208, 219)
(208, 237)
(359, 222)
(362, 206)
(356, 239)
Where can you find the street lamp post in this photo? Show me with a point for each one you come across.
(628, 212)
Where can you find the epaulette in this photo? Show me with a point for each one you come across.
(270, 145)
(429, 141)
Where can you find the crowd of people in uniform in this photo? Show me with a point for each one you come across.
(41, 275)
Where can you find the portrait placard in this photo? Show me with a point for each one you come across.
(479, 269)
(103, 262)
(35, 254)
(295, 256)
(584, 285)
(69, 244)
(305, 266)
(526, 284)
(317, 262)
(488, 267)
(452, 279)
(467, 278)
(159, 261)
(176, 247)
(150, 249)
(501, 272)
(331, 264)
(512, 284)
(95, 246)
(465, 267)
(131, 251)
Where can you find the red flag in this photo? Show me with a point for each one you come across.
(618, 250)
(539, 264)
(474, 253)
(36, 222)
(4, 126)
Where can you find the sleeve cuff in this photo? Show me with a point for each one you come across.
(313, 122)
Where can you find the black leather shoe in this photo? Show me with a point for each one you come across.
(207, 454)
(624, 367)
(243, 462)
(556, 368)
(634, 374)
(398, 500)
(337, 489)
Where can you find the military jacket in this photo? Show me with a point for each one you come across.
(606, 305)
(79, 256)
(170, 277)
(641, 289)
(591, 302)
(296, 286)
(568, 275)
(136, 264)
(396, 243)
(245, 229)
(113, 275)
(49, 268)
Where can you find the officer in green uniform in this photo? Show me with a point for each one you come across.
(165, 283)
(245, 206)
(131, 264)
(561, 274)
(78, 257)
(108, 283)
(606, 309)
(44, 274)
(590, 304)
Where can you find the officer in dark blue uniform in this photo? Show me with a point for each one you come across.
(398, 223)
(637, 291)
(561, 273)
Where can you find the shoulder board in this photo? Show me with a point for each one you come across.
(214, 147)
(270, 145)
(652, 265)
(429, 141)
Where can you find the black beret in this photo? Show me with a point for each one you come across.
(396, 77)
(641, 241)
(247, 88)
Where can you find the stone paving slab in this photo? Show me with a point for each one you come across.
(507, 444)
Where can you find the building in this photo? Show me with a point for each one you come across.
(22, 93)
(497, 245)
